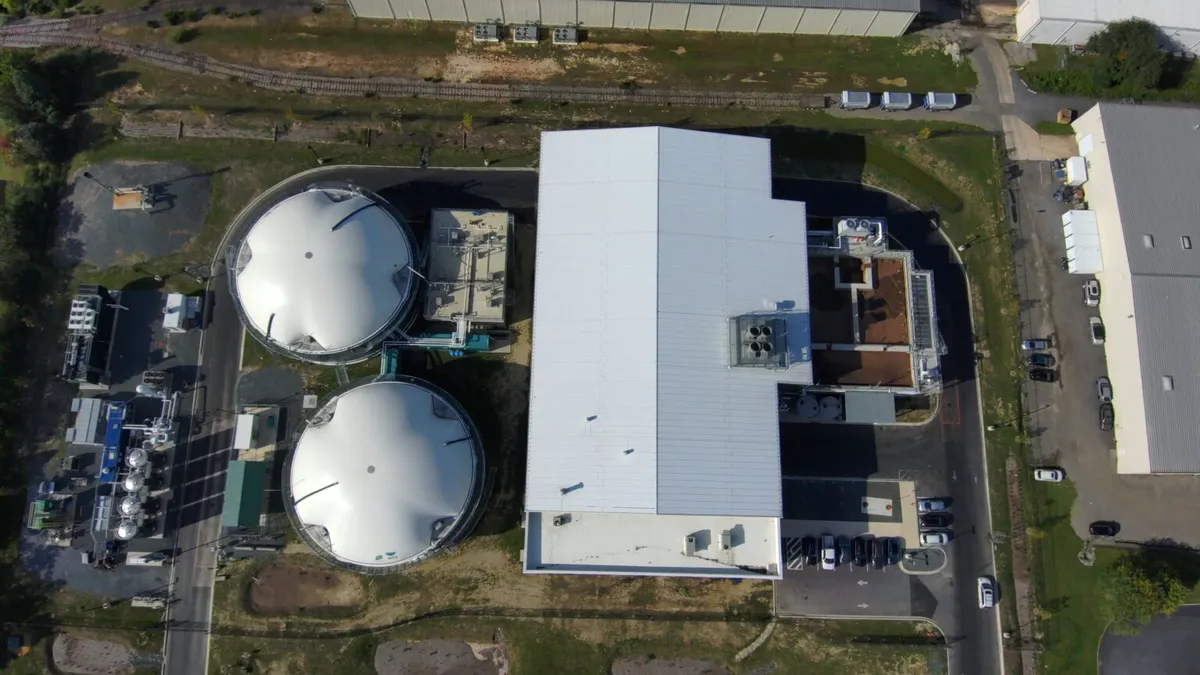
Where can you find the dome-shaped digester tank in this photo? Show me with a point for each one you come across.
(129, 505)
(134, 482)
(126, 530)
(325, 273)
(137, 458)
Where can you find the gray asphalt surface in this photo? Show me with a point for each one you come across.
(973, 635)
(96, 235)
(1167, 646)
(414, 192)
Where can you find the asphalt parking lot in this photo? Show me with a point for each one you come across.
(1064, 415)
(1166, 646)
(850, 591)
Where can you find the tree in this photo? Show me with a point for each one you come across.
(1128, 55)
(468, 123)
(1137, 588)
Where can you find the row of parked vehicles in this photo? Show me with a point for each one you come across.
(831, 552)
(897, 101)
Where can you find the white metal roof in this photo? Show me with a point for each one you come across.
(323, 269)
(648, 241)
(1082, 238)
(1165, 13)
(381, 472)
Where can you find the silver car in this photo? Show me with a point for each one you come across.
(1091, 293)
(1096, 330)
(1103, 389)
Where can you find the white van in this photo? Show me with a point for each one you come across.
(936, 101)
(896, 100)
(855, 100)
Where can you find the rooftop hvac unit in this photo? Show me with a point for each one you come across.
(689, 545)
(486, 32)
(562, 519)
(525, 35)
(726, 540)
(565, 36)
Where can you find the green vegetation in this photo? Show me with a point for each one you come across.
(334, 43)
(1128, 55)
(1054, 129)
(1138, 587)
(591, 646)
(1058, 70)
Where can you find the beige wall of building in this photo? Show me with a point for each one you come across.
(1116, 301)
(645, 15)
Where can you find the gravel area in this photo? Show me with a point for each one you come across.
(95, 234)
(83, 656)
(648, 666)
(441, 657)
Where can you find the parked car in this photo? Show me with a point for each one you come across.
(878, 553)
(828, 552)
(808, 548)
(1104, 528)
(860, 552)
(987, 593)
(934, 538)
(843, 550)
(1107, 417)
(1091, 293)
(936, 520)
(893, 550)
(1035, 345)
(1096, 329)
(930, 505)
(1042, 375)
(1048, 475)
(1103, 389)
(1040, 360)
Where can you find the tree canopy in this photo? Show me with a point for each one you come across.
(1139, 587)
(1129, 55)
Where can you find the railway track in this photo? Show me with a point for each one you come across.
(57, 34)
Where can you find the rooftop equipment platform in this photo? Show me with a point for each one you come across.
(468, 265)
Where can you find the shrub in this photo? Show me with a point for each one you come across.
(197, 14)
(253, 12)
(180, 35)
(1128, 55)
(175, 16)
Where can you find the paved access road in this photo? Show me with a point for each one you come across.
(973, 635)
(206, 451)
(1166, 646)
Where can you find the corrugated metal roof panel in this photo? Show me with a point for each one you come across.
(869, 5)
(1165, 13)
(1168, 318)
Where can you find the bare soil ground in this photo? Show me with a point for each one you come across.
(440, 657)
(643, 665)
(85, 656)
(292, 586)
(866, 368)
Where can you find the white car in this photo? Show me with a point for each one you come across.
(934, 538)
(987, 593)
(1091, 293)
(828, 552)
(930, 505)
(1048, 475)
(1096, 330)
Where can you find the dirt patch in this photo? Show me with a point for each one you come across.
(777, 57)
(893, 81)
(680, 50)
(84, 656)
(643, 665)
(290, 587)
(440, 656)
(488, 67)
(811, 80)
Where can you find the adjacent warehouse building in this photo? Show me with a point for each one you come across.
(385, 474)
(325, 275)
(1072, 22)
(672, 301)
(875, 18)
(1142, 164)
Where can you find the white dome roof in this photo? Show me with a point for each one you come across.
(323, 269)
(379, 474)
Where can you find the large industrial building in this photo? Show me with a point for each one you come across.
(1072, 22)
(672, 301)
(326, 275)
(1141, 168)
(385, 474)
(873, 18)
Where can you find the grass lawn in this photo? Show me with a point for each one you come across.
(586, 646)
(1054, 129)
(334, 43)
(319, 380)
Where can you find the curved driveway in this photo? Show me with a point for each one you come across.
(972, 634)
(1166, 646)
